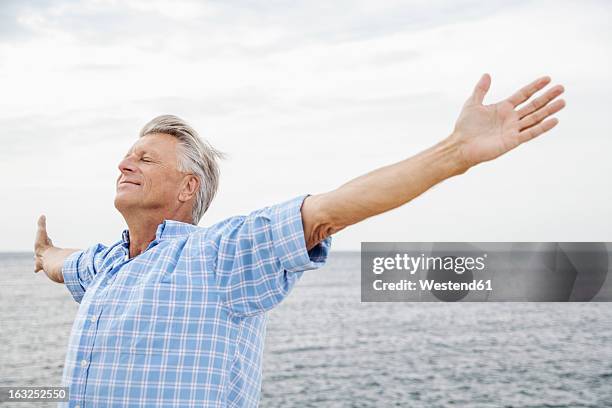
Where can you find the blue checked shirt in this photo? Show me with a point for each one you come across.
(183, 323)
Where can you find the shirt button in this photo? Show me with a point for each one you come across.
(94, 318)
(83, 363)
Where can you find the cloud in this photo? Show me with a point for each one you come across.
(304, 96)
(403, 100)
(48, 135)
(239, 28)
(12, 25)
(102, 68)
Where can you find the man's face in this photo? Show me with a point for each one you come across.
(149, 178)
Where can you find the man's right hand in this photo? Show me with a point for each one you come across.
(48, 257)
(41, 244)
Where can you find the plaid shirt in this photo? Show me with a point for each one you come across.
(183, 323)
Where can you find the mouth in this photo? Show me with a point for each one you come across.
(129, 182)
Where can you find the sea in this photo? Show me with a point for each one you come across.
(325, 348)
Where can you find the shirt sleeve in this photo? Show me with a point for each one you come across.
(80, 268)
(262, 255)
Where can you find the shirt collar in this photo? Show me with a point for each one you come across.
(168, 229)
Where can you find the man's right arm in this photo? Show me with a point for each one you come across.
(49, 258)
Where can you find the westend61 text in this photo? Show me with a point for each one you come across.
(428, 284)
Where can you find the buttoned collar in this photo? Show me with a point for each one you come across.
(168, 229)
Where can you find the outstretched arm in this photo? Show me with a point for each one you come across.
(482, 133)
(49, 258)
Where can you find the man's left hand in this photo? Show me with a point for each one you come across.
(484, 132)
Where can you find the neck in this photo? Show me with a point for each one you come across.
(143, 227)
(142, 233)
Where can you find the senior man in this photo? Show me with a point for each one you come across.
(173, 314)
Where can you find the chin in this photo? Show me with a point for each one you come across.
(123, 202)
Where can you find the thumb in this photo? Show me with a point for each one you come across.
(42, 228)
(481, 89)
(42, 223)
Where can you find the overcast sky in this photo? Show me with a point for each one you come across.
(303, 96)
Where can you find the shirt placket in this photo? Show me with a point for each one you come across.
(89, 331)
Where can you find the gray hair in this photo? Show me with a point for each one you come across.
(196, 156)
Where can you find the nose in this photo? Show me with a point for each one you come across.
(127, 165)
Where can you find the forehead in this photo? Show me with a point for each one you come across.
(160, 144)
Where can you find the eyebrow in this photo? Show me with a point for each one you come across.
(143, 152)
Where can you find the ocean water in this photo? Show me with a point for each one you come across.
(325, 348)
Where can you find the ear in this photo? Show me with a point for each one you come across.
(189, 188)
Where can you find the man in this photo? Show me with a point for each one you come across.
(174, 314)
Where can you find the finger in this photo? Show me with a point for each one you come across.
(41, 233)
(537, 103)
(42, 223)
(541, 114)
(525, 92)
(481, 89)
(537, 130)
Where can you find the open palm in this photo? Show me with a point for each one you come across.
(485, 132)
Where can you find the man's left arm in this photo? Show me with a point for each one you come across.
(482, 133)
